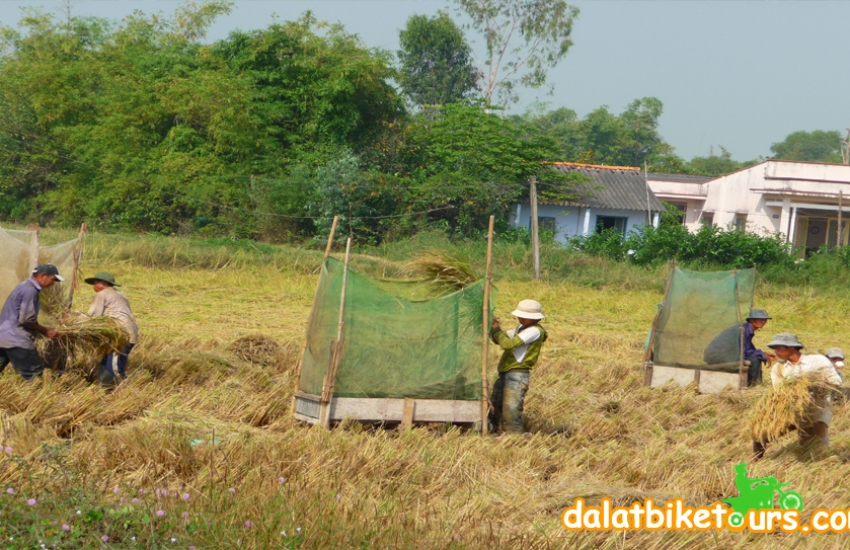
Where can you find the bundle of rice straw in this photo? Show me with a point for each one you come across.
(788, 404)
(442, 271)
(82, 343)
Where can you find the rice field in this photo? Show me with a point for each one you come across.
(198, 448)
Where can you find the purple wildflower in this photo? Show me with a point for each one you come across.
(8, 450)
(232, 491)
(32, 502)
(10, 490)
(192, 548)
(186, 496)
(104, 538)
(66, 527)
(141, 491)
(160, 513)
(281, 480)
(185, 515)
(135, 501)
(116, 490)
(249, 524)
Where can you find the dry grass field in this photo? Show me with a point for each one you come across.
(204, 417)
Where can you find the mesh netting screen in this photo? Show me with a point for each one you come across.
(699, 325)
(65, 257)
(18, 251)
(395, 346)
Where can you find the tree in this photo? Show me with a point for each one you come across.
(523, 39)
(817, 146)
(716, 165)
(436, 61)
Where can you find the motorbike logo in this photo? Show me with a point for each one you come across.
(758, 494)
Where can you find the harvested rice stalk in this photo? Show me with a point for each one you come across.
(443, 272)
(788, 404)
(82, 343)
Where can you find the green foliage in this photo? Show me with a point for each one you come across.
(716, 165)
(436, 61)
(710, 247)
(523, 38)
(816, 146)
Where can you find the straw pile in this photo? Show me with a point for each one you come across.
(443, 272)
(257, 349)
(82, 343)
(784, 406)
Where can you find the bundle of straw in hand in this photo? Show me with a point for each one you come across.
(83, 341)
(783, 406)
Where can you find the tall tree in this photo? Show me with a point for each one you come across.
(817, 146)
(436, 61)
(523, 38)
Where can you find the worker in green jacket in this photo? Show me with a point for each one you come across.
(522, 349)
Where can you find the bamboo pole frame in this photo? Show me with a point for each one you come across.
(315, 299)
(647, 365)
(336, 352)
(78, 257)
(840, 236)
(485, 388)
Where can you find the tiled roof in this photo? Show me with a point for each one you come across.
(678, 178)
(614, 187)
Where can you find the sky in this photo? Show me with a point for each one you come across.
(737, 74)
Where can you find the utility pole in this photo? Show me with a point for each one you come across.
(838, 239)
(845, 149)
(535, 238)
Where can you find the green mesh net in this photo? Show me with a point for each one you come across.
(393, 344)
(700, 322)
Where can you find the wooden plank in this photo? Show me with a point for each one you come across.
(392, 410)
(407, 413)
(307, 419)
(715, 382)
(662, 375)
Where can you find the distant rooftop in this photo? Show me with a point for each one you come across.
(614, 187)
(678, 178)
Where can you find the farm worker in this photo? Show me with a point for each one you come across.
(111, 303)
(790, 364)
(724, 348)
(19, 323)
(522, 349)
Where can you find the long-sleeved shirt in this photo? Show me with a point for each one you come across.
(750, 350)
(818, 365)
(522, 347)
(111, 303)
(21, 307)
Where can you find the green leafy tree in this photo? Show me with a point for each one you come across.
(716, 165)
(816, 146)
(435, 61)
(523, 39)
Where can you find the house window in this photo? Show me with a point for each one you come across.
(544, 223)
(682, 208)
(607, 222)
(707, 219)
(741, 222)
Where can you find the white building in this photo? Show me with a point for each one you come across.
(617, 196)
(800, 199)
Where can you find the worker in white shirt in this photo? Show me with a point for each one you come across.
(836, 355)
(791, 363)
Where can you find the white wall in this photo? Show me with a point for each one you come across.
(569, 220)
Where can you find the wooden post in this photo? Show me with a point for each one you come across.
(485, 388)
(338, 347)
(535, 230)
(315, 299)
(647, 366)
(78, 256)
(840, 235)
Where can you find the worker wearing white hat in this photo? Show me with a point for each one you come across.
(522, 347)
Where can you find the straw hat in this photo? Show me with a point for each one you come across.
(785, 339)
(528, 309)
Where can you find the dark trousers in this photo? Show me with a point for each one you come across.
(26, 362)
(754, 372)
(506, 400)
(114, 366)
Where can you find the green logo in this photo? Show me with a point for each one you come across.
(758, 494)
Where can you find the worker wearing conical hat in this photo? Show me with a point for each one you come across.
(521, 347)
(792, 363)
(111, 303)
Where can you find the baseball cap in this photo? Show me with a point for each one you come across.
(48, 269)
